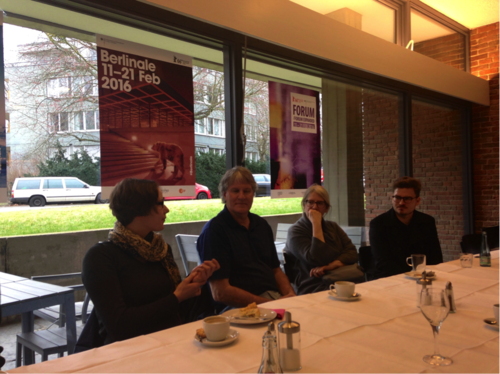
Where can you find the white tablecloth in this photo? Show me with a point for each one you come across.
(382, 332)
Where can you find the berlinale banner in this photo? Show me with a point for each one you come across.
(295, 139)
(146, 116)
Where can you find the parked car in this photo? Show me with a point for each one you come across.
(201, 192)
(263, 184)
(37, 191)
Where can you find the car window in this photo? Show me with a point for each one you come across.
(266, 177)
(28, 184)
(52, 183)
(259, 178)
(73, 183)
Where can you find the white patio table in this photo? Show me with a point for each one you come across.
(382, 332)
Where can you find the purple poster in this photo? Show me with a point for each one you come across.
(146, 116)
(295, 139)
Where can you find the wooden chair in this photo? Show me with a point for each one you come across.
(188, 251)
(493, 234)
(357, 234)
(52, 341)
(471, 243)
(44, 342)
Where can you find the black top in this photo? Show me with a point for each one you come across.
(131, 297)
(246, 257)
(312, 252)
(392, 242)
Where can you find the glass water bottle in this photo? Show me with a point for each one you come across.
(270, 358)
(485, 256)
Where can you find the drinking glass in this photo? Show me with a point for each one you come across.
(435, 307)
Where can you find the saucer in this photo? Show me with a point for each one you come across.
(417, 275)
(492, 323)
(355, 297)
(231, 337)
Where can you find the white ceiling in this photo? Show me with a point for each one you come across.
(375, 17)
(470, 13)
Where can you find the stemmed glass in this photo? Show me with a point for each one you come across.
(435, 307)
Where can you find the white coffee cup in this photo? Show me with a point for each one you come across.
(343, 289)
(495, 310)
(216, 327)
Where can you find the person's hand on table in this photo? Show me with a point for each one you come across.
(205, 271)
(321, 270)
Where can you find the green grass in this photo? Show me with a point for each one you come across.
(93, 217)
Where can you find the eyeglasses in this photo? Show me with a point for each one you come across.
(406, 199)
(319, 204)
(160, 203)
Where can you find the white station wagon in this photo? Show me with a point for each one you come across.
(37, 191)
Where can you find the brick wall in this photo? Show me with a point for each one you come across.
(485, 134)
(380, 150)
(447, 49)
(437, 163)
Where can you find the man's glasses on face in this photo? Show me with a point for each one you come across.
(160, 203)
(406, 199)
(319, 204)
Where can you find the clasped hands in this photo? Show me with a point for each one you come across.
(191, 286)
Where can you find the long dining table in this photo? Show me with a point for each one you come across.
(383, 331)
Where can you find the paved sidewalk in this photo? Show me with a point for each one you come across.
(8, 334)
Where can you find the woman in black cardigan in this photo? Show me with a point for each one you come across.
(132, 279)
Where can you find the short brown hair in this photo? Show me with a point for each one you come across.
(133, 198)
(236, 174)
(408, 182)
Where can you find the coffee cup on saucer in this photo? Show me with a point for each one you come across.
(495, 310)
(343, 288)
(216, 327)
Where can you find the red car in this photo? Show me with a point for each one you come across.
(202, 192)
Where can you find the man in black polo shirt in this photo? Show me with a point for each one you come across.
(243, 244)
(403, 231)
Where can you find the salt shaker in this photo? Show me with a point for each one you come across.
(422, 283)
(270, 357)
(289, 342)
(451, 297)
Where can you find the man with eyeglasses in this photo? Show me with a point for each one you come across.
(403, 231)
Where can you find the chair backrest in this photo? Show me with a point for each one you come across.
(187, 248)
(282, 232)
(471, 243)
(357, 234)
(493, 234)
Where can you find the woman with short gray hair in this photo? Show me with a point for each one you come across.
(322, 251)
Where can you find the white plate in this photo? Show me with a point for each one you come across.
(231, 337)
(489, 322)
(266, 315)
(417, 275)
(356, 296)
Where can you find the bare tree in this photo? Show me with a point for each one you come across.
(53, 80)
